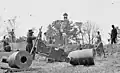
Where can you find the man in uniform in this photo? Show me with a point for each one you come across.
(45, 37)
(100, 48)
(50, 40)
(6, 45)
(30, 39)
(12, 34)
(113, 35)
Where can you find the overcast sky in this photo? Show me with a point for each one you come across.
(103, 12)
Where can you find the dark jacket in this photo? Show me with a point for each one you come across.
(29, 43)
(114, 33)
(30, 39)
(5, 43)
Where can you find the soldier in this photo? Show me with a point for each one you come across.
(6, 45)
(99, 44)
(113, 35)
(50, 40)
(53, 40)
(98, 37)
(30, 39)
(45, 37)
(12, 34)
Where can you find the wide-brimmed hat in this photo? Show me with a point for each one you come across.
(98, 31)
(30, 31)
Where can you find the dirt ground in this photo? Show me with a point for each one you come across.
(111, 64)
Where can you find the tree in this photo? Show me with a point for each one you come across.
(10, 26)
(90, 30)
(80, 32)
(50, 31)
(58, 27)
(21, 39)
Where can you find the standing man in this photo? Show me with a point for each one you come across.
(45, 37)
(50, 40)
(98, 37)
(113, 35)
(12, 34)
(100, 48)
(30, 39)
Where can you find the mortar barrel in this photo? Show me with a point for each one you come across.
(20, 59)
(79, 57)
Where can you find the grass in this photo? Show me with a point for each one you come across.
(101, 66)
(14, 46)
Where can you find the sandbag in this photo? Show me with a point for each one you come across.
(82, 57)
(20, 60)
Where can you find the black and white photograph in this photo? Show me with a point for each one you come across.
(59, 36)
